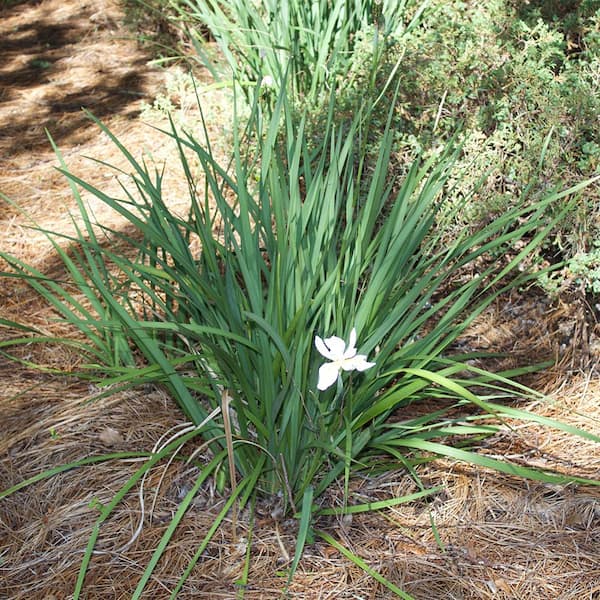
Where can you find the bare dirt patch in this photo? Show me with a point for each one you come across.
(504, 538)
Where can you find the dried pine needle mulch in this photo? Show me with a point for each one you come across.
(504, 538)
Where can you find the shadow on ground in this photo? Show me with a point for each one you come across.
(56, 60)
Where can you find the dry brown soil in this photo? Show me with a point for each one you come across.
(504, 538)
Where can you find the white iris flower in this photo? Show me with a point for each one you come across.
(342, 359)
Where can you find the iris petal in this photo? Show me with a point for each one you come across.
(336, 347)
(352, 343)
(322, 348)
(359, 362)
(328, 374)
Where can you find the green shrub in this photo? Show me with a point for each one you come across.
(522, 83)
(584, 268)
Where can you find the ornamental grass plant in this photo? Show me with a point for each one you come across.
(303, 314)
(309, 47)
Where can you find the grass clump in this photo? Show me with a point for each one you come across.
(289, 243)
(308, 47)
(304, 312)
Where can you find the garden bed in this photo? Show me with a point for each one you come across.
(503, 537)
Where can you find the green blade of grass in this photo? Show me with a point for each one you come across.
(503, 466)
(379, 505)
(72, 465)
(359, 562)
(303, 530)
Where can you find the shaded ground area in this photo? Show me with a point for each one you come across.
(58, 58)
(503, 538)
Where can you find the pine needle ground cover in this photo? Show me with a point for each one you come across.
(149, 328)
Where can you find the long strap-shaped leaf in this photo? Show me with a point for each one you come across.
(359, 562)
(108, 509)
